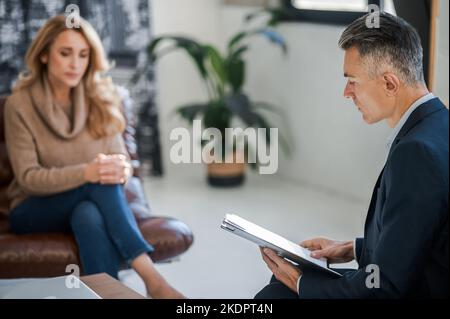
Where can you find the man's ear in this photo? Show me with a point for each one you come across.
(391, 84)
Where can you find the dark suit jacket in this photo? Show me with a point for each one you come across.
(406, 229)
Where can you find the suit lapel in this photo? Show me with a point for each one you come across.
(373, 200)
(370, 213)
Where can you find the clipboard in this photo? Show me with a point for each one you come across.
(284, 248)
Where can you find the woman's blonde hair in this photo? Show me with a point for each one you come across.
(105, 116)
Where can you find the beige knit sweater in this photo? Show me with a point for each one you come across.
(48, 146)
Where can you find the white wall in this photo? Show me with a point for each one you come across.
(177, 80)
(441, 73)
(333, 148)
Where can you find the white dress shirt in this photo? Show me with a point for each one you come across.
(404, 118)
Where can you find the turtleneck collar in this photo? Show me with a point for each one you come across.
(53, 115)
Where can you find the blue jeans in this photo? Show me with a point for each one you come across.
(98, 216)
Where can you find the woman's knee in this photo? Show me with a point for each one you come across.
(86, 215)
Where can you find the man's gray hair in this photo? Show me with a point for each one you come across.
(395, 45)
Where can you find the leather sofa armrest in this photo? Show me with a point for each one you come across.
(170, 237)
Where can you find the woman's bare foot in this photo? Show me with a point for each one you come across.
(157, 286)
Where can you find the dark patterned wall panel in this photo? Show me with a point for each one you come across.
(19, 22)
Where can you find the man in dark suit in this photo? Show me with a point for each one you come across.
(405, 249)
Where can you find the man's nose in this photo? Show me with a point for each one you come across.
(347, 91)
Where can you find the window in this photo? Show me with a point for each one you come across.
(389, 7)
(336, 5)
(341, 12)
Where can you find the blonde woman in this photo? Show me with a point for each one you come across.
(63, 131)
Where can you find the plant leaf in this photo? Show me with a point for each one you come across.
(240, 105)
(236, 74)
(217, 116)
(267, 106)
(249, 17)
(237, 53)
(190, 112)
(274, 37)
(234, 40)
(217, 62)
(194, 49)
(263, 123)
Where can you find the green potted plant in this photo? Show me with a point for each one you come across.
(224, 76)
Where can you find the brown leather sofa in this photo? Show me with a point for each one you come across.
(47, 255)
